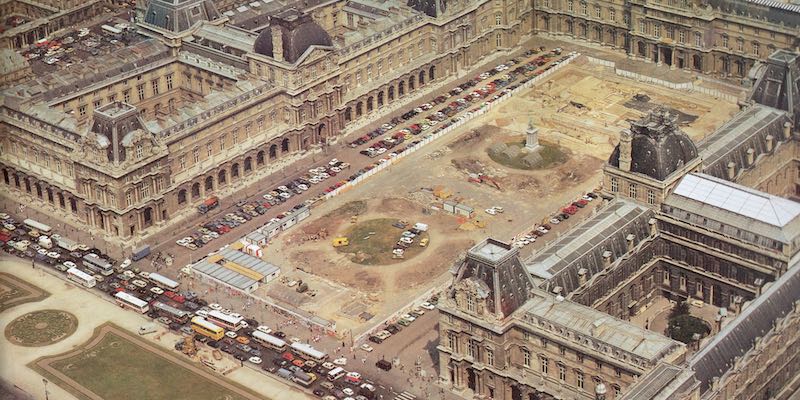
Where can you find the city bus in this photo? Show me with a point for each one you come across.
(94, 263)
(165, 310)
(307, 352)
(76, 275)
(270, 341)
(38, 226)
(227, 321)
(207, 329)
(127, 300)
(163, 282)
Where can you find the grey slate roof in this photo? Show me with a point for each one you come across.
(650, 385)
(747, 129)
(776, 12)
(734, 206)
(583, 246)
(778, 84)
(736, 338)
(298, 32)
(179, 15)
(497, 265)
(658, 146)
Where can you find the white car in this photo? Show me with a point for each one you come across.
(408, 317)
(427, 306)
(283, 188)
(491, 211)
(10, 227)
(69, 264)
(159, 291)
(125, 264)
(555, 221)
(407, 240)
(144, 274)
(231, 334)
(409, 234)
(542, 229)
(340, 361)
(53, 255)
(399, 252)
(333, 162)
(202, 313)
(255, 360)
(129, 274)
(139, 283)
(347, 391)
(42, 251)
(587, 198)
(499, 209)
(267, 196)
(264, 328)
(215, 306)
(366, 347)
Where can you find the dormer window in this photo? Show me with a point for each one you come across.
(139, 151)
(470, 303)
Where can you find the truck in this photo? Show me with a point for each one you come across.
(66, 244)
(145, 329)
(45, 242)
(140, 252)
(209, 204)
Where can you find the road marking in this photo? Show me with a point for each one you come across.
(405, 396)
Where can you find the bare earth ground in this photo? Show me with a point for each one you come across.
(587, 135)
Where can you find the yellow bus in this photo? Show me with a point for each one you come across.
(207, 329)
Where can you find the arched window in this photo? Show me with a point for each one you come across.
(210, 183)
(260, 158)
(182, 196)
(195, 190)
(285, 145)
(273, 152)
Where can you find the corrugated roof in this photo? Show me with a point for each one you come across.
(223, 274)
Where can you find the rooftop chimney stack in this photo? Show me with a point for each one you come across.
(277, 42)
(770, 143)
(787, 130)
(625, 139)
(731, 170)
(751, 157)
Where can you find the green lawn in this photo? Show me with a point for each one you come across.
(371, 242)
(119, 369)
(41, 328)
(552, 155)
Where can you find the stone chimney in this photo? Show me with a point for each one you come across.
(607, 259)
(625, 139)
(653, 226)
(751, 157)
(582, 276)
(631, 241)
(731, 170)
(277, 42)
(770, 143)
(787, 130)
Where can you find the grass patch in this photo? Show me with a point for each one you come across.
(15, 291)
(372, 242)
(41, 328)
(551, 155)
(116, 368)
(356, 207)
(682, 326)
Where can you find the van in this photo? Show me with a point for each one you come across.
(285, 374)
(384, 365)
(45, 242)
(145, 329)
(336, 373)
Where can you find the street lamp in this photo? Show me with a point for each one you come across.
(46, 393)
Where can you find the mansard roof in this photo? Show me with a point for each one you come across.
(777, 83)
(737, 206)
(586, 323)
(584, 245)
(756, 319)
(497, 264)
(749, 128)
(179, 15)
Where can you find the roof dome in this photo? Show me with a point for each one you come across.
(298, 33)
(657, 147)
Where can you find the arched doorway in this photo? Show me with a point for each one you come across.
(195, 190)
(380, 99)
(305, 143)
(209, 183)
(697, 62)
(401, 88)
(348, 114)
(370, 102)
(61, 200)
(391, 93)
(285, 145)
(182, 196)
(321, 132)
(359, 109)
(248, 164)
(410, 83)
(260, 157)
(234, 171)
(421, 78)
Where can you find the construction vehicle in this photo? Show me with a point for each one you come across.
(341, 241)
(423, 242)
(488, 179)
(442, 193)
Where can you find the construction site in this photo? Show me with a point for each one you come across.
(463, 194)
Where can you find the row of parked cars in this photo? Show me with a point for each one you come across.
(403, 321)
(566, 212)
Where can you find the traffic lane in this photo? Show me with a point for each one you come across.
(345, 153)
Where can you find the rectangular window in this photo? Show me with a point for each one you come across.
(614, 184)
(657, 30)
(651, 197)
(235, 135)
(725, 41)
(579, 379)
(666, 277)
(129, 198)
(755, 49)
(526, 357)
(112, 98)
(154, 84)
(222, 142)
(182, 161)
(169, 82)
(570, 5)
(140, 90)
(597, 12)
(562, 372)
(642, 26)
(139, 151)
(82, 110)
(682, 282)
(545, 364)
(698, 39)
(145, 190)
(196, 155)
(498, 40)
(489, 357)
(632, 190)
(681, 36)
(451, 340)
(126, 96)
(584, 9)
(612, 15)
(209, 149)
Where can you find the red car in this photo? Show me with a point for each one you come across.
(287, 356)
(571, 210)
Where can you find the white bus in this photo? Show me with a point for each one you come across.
(227, 321)
(127, 300)
(111, 29)
(42, 228)
(76, 275)
(166, 310)
(269, 341)
(336, 373)
(94, 263)
(163, 282)
(307, 352)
